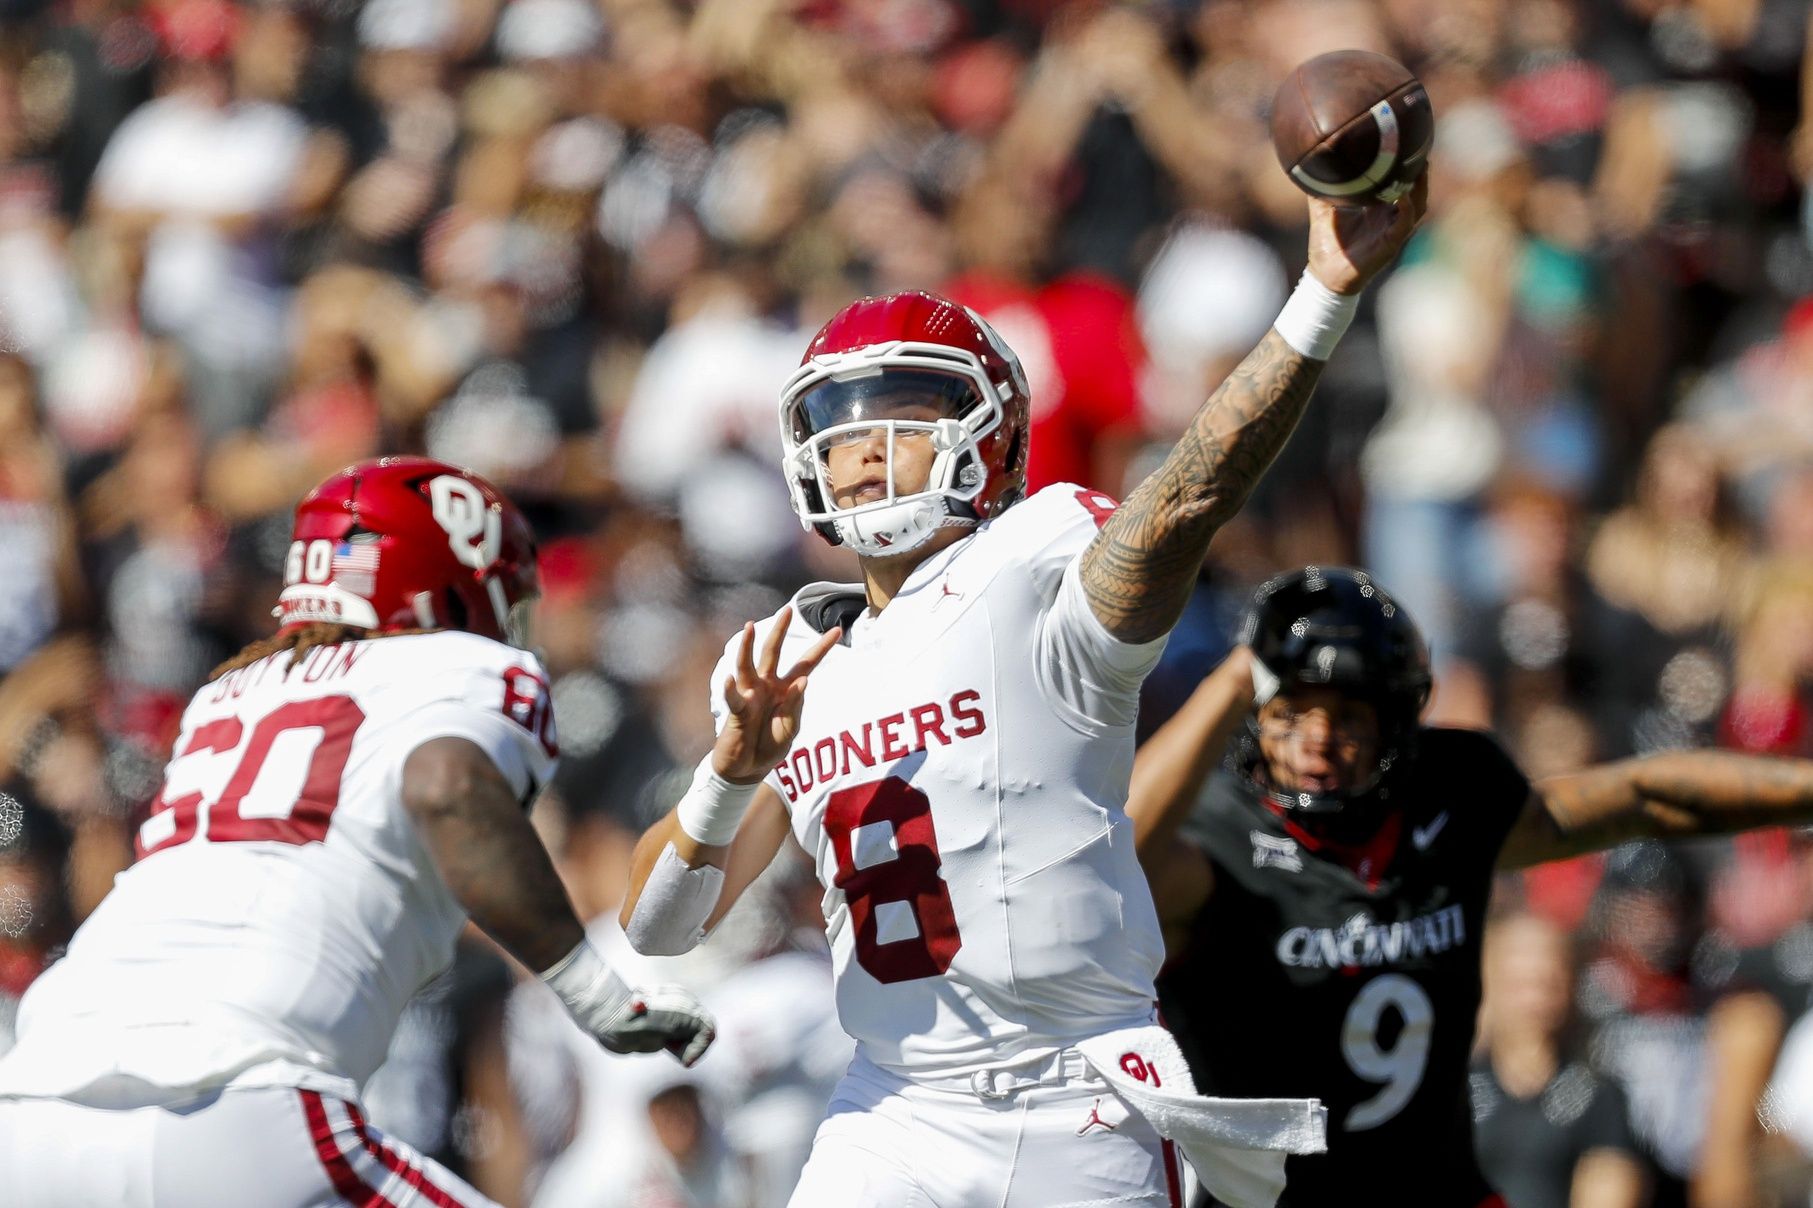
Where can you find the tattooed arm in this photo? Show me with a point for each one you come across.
(1680, 793)
(1140, 569)
(492, 860)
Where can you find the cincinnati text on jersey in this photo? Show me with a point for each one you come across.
(1360, 942)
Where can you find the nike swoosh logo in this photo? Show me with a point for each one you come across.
(1423, 836)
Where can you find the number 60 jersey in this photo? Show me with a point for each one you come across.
(283, 910)
(959, 780)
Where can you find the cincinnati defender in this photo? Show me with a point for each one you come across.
(958, 768)
(1324, 897)
(341, 798)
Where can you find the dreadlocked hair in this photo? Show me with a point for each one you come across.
(300, 641)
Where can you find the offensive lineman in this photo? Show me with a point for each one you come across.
(1336, 869)
(341, 798)
(958, 769)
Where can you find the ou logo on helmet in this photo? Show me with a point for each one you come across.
(474, 529)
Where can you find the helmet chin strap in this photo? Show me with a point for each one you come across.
(895, 525)
(873, 534)
(1326, 804)
(500, 603)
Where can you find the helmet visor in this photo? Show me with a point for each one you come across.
(923, 395)
(1339, 731)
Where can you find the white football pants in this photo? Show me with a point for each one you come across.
(1048, 1135)
(275, 1147)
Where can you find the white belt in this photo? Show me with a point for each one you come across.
(1055, 1068)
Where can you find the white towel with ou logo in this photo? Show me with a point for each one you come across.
(1237, 1146)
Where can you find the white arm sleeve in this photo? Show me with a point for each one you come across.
(669, 918)
(1084, 667)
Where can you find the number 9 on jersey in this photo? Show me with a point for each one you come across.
(1400, 1065)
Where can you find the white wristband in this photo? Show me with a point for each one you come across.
(1315, 318)
(586, 984)
(643, 1020)
(1265, 684)
(713, 807)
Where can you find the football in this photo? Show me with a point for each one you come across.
(1352, 126)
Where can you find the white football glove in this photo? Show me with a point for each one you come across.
(626, 1020)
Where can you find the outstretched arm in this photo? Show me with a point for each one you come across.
(482, 844)
(1139, 570)
(1168, 775)
(1170, 769)
(1676, 794)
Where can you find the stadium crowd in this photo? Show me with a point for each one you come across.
(578, 245)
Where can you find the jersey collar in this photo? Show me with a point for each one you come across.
(1367, 858)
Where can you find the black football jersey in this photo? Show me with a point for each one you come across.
(1300, 979)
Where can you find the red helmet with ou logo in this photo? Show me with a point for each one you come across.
(410, 543)
(917, 351)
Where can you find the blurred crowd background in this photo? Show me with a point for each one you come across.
(578, 244)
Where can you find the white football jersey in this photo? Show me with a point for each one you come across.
(960, 778)
(283, 910)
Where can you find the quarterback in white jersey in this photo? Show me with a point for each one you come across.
(339, 801)
(954, 779)
(959, 768)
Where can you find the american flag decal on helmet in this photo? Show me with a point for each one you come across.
(356, 567)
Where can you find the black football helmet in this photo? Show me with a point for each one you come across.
(1333, 627)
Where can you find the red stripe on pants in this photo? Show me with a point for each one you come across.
(1173, 1181)
(347, 1183)
(413, 1175)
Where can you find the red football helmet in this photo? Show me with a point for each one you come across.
(410, 543)
(917, 347)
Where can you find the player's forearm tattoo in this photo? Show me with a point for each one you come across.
(498, 870)
(1726, 791)
(488, 854)
(1682, 793)
(1140, 569)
